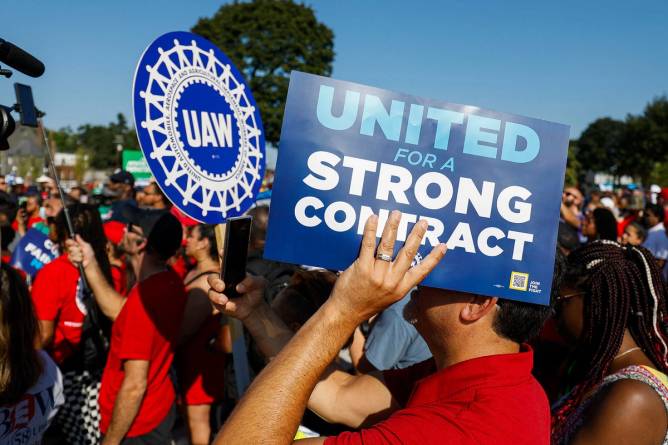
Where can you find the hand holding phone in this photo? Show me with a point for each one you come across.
(235, 252)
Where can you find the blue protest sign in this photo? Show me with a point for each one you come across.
(199, 127)
(488, 183)
(33, 251)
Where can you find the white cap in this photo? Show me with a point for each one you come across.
(608, 202)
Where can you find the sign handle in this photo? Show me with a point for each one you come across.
(239, 353)
(61, 195)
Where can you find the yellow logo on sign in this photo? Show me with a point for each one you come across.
(519, 281)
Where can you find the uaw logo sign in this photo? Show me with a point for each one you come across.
(199, 127)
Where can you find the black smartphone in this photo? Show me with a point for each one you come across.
(26, 105)
(235, 252)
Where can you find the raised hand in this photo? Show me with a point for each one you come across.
(79, 251)
(375, 280)
(251, 290)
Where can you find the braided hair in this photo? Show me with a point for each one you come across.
(624, 290)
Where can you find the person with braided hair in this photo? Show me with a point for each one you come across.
(613, 307)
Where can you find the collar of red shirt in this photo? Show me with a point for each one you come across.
(489, 371)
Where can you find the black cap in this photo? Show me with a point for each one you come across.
(122, 177)
(161, 229)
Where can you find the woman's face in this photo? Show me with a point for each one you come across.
(569, 313)
(589, 226)
(192, 241)
(631, 237)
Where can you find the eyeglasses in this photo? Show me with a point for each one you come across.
(569, 296)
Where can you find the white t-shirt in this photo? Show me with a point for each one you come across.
(24, 423)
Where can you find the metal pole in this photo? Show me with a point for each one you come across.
(68, 221)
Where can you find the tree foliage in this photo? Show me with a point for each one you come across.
(573, 166)
(98, 141)
(600, 145)
(631, 147)
(266, 40)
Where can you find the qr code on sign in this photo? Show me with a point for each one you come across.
(519, 281)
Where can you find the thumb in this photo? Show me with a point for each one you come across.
(79, 239)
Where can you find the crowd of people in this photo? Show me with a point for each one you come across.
(126, 336)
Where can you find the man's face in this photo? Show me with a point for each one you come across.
(3, 184)
(631, 236)
(572, 197)
(652, 219)
(434, 312)
(151, 195)
(32, 205)
(75, 193)
(119, 189)
(132, 240)
(49, 189)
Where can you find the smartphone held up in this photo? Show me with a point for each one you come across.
(234, 238)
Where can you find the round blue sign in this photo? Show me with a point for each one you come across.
(199, 127)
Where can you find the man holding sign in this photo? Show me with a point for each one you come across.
(485, 183)
(477, 389)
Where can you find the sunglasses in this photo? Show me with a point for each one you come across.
(569, 296)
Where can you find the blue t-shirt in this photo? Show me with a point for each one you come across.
(394, 343)
(657, 243)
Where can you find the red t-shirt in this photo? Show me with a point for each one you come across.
(119, 277)
(146, 329)
(489, 400)
(31, 222)
(57, 297)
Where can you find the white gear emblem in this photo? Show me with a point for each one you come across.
(176, 69)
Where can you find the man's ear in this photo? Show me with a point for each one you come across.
(477, 308)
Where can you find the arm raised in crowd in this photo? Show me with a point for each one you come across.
(339, 397)
(365, 288)
(110, 301)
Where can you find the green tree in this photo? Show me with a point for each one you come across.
(81, 165)
(65, 139)
(646, 140)
(30, 166)
(266, 40)
(659, 174)
(601, 145)
(573, 166)
(100, 141)
(637, 159)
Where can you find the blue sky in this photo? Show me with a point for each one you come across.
(568, 61)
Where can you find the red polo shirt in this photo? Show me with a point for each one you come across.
(489, 400)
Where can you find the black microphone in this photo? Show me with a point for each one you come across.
(20, 60)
